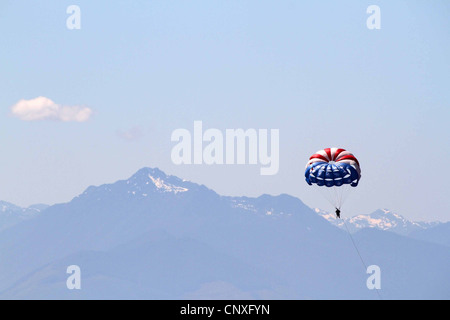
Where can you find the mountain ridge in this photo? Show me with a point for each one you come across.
(170, 244)
(11, 214)
(382, 219)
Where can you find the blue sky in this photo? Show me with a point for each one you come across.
(312, 70)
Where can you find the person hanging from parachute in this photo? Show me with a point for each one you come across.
(335, 170)
(338, 213)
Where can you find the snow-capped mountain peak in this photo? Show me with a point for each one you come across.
(6, 206)
(142, 184)
(382, 219)
(10, 214)
(153, 178)
(327, 215)
(166, 187)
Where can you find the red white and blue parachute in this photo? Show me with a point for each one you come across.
(333, 167)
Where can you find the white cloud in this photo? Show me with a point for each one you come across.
(42, 108)
(132, 134)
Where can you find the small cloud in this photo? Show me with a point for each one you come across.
(132, 134)
(42, 108)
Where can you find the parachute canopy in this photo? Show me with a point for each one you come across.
(333, 167)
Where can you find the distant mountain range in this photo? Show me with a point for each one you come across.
(382, 219)
(156, 236)
(386, 220)
(11, 214)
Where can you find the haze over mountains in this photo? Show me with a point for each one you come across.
(155, 236)
(11, 214)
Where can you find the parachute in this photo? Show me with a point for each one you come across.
(334, 172)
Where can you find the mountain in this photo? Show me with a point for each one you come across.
(11, 214)
(382, 219)
(439, 234)
(156, 236)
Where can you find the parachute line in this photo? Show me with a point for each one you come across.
(360, 256)
(336, 196)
